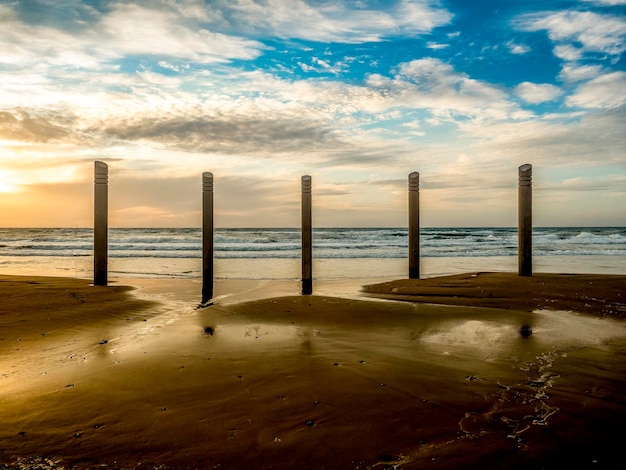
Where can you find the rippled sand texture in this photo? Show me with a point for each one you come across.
(95, 376)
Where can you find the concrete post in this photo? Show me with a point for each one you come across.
(207, 237)
(307, 238)
(101, 224)
(525, 221)
(414, 225)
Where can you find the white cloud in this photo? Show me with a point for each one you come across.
(595, 32)
(128, 29)
(23, 45)
(434, 85)
(536, 93)
(577, 73)
(429, 73)
(335, 21)
(323, 66)
(607, 2)
(606, 91)
(568, 52)
(518, 49)
(436, 46)
(132, 29)
(191, 30)
(424, 84)
(306, 67)
(174, 67)
(557, 143)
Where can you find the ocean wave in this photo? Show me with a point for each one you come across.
(327, 242)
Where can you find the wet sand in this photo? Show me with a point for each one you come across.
(603, 295)
(139, 378)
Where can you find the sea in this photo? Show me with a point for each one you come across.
(275, 253)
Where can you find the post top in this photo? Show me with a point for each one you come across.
(414, 175)
(306, 184)
(526, 167)
(100, 167)
(207, 181)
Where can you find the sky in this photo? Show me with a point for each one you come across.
(356, 93)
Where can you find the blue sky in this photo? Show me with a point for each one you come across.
(356, 93)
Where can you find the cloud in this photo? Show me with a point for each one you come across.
(568, 52)
(555, 143)
(576, 73)
(607, 2)
(255, 120)
(434, 85)
(436, 45)
(19, 125)
(224, 134)
(132, 29)
(611, 184)
(535, 93)
(167, 133)
(594, 32)
(24, 45)
(324, 66)
(126, 29)
(340, 22)
(518, 49)
(605, 91)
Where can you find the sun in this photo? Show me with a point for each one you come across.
(6, 183)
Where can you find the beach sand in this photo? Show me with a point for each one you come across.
(138, 377)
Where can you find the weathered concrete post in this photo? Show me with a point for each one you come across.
(307, 238)
(525, 221)
(414, 225)
(100, 224)
(207, 237)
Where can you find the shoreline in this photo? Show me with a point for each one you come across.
(337, 269)
(267, 378)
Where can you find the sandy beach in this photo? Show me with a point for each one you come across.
(481, 370)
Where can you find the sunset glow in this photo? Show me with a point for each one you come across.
(6, 184)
